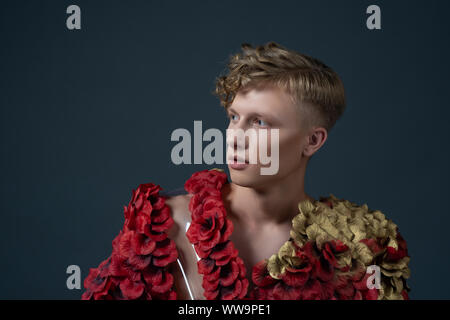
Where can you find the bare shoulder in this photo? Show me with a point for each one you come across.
(179, 207)
(179, 202)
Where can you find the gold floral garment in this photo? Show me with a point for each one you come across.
(370, 238)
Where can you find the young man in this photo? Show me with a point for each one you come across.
(246, 238)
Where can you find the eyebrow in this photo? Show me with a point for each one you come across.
(269, 117)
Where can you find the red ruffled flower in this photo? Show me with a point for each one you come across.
(223, 271)
(209, 227)
(261, 276)
(366, 293)
(205, 179)
(97, 281)
(138, 265)
(393, 254)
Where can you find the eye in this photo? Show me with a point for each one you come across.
(233, 117)
(261, 123)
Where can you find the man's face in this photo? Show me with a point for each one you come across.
(265, 108)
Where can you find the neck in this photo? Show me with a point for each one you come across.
(276, 203)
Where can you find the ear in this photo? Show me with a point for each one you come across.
(315, 140)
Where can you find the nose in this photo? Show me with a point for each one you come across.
(236, 139)
(238, 144)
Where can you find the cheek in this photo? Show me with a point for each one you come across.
(256, 147)
(290, 150)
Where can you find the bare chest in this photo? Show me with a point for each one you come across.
(253, 245)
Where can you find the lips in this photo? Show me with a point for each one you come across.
(234, 164)
(237, 160)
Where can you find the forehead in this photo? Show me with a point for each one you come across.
(269, 100)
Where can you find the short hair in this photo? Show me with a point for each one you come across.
(306, 79)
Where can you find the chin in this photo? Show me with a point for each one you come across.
(250, 177)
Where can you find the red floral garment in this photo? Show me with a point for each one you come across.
(223, 271)
(142, 253)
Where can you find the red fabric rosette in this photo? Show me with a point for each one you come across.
(138, 265)
(223, 271)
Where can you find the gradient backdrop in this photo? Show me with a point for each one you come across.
(86, 116)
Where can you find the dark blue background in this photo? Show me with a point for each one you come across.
(86, 116)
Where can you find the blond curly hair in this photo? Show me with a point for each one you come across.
(312, 85)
